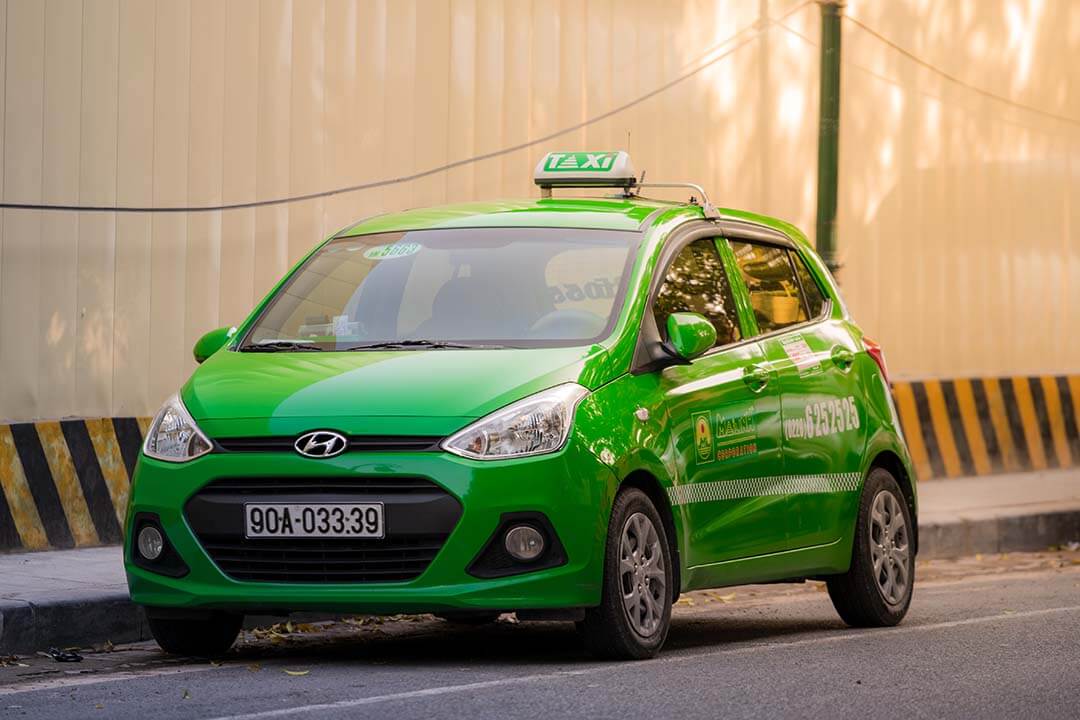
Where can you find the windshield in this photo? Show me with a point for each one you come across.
(486, 287)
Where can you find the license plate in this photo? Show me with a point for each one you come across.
(322, 520)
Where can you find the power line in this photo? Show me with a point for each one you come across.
(751, 32)
(954, 79)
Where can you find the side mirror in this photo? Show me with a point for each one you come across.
(689, 334)
(211, 342)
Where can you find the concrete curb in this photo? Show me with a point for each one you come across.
(76, 619)
(999, 534)
(92, 617)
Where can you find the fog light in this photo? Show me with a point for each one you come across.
(524, 543)
(150, 542)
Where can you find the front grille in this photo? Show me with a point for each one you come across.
(356, 443)
(319, 486)
(319, 561)
(419, 517)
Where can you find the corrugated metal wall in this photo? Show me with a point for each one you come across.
(957, 222)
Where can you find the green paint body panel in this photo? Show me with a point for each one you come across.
(708, 436)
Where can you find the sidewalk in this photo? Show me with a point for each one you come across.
(999, 513)
(79, 597)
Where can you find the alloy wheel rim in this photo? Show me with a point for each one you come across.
(889, 549)
(642, 576)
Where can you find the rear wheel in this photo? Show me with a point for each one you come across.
(876, 590)
(634, 615)
(208, 636)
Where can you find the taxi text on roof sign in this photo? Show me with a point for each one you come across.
(585, 169)
(570, 162)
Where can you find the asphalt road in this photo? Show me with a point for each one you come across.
(986, 637)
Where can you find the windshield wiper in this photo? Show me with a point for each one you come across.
(281, 346)
(431, 344)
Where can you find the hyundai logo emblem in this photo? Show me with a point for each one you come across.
(321, 444)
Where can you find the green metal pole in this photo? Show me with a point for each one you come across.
(828, 131)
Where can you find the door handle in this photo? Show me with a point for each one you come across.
(843, 358)
(756, 377)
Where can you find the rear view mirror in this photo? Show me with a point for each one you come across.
(211, 342)
(689, 334)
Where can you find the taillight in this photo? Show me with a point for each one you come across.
(874, 350)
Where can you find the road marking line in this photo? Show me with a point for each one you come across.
(523, 679)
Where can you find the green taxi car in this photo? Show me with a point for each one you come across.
(568, 408)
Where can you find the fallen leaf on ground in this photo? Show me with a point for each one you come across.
(254, 667)
(11, 661)
(297, 673)
(186, 695)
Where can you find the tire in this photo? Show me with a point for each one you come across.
(469, 617)
(861, 596)
(211, 636)
(608, 629)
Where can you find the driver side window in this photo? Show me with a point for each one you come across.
(696, 282)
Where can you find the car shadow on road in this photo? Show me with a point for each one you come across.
(437, 644)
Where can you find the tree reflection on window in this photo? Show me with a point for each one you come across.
(696, 282)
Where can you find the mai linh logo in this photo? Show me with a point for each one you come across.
(704, 443)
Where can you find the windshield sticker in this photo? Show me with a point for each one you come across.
(387, 252)
(703, 437)
(600, 288)
(801, 355)
(822, 419)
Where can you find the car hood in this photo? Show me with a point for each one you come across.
(414, 392)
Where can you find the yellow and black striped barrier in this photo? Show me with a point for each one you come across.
(65, 483)
(956, 428)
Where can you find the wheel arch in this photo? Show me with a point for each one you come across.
(648, 483)
(888, 460)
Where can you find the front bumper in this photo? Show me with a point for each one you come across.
(572, 488)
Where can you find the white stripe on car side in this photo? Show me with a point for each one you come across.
(740, 488)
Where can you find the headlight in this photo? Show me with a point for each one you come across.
(536, 425)
(174, 436)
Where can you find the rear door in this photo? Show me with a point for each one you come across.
(724, 414)
(822, 414)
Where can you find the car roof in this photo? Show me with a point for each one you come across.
(614, 212)
(608, 213)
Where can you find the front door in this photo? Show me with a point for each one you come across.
(724, 413)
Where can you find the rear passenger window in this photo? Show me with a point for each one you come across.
(774, 290)
(812, 294)
(696, 282)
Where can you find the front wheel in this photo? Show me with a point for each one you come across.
(634, 615)
(876, 590)
(209, 636)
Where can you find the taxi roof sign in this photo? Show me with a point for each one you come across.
(585, 169)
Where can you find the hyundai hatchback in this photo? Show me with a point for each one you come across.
(569, 408)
